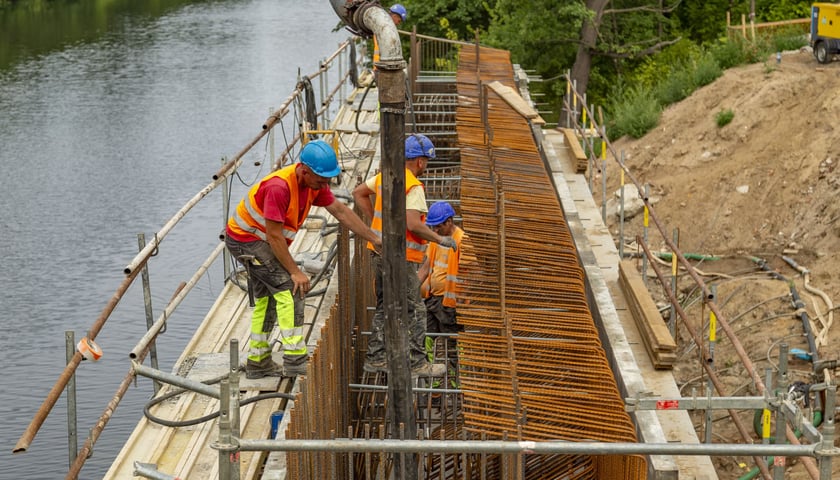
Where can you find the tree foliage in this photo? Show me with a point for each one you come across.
(606, 41)
(452, 19)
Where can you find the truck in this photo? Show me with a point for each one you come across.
(825, 31)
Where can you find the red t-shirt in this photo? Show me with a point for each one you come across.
(274, 196)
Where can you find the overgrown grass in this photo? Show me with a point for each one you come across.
(676, 72)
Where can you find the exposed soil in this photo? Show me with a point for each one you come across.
(763, 186)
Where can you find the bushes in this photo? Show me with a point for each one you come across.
(635, 114)
(674, 73)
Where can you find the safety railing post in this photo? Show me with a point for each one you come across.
(70, 392)
(645, 228)
(226, 211)
(233, 380)
(224, 441)
(147, 302)
(604, 191)
(621, 214)
(711, 361)
(675, 270)
(781, 391)
(827, 443)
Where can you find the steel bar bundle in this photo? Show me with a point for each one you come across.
(532, 364)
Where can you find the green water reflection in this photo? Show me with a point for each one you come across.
(29, 28)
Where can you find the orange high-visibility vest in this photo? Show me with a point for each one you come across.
(248, 218)
(443, 271)
(415, 247)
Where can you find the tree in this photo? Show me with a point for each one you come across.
(628, 30)
(452, 19)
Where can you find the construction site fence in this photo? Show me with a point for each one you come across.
(750, 29)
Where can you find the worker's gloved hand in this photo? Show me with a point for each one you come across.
(448, 242)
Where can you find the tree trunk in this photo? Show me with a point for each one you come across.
(588, 39)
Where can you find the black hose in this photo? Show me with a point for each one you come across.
(798, 304)
(354, 71)
(361, 103)
(310, 114)
(331, 256)
(187, 423)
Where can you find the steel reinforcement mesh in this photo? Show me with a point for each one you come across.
(532, 364)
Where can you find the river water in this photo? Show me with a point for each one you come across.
(112, 116)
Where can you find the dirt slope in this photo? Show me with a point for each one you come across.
(765, 185)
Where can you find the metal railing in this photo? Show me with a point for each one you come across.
(580, 117)
(332, 69)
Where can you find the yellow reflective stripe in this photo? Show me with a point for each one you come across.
(290, 336)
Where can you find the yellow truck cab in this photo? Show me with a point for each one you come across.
(825, 30)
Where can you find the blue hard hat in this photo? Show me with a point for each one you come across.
(439, 212)
(399, 10)
(320, 157)
(418, 145)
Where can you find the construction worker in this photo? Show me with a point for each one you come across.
(259, 234)
(398, 14)
(418, 151)
(439, 272)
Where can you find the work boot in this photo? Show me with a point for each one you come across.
(426, 369)
(294, 370)
(264, 368)
(373, 366)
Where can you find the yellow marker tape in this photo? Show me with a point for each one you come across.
(583, 122)
(674, 264)
(712, 327)
(765, 424)
(647, 219)
(604, 149)
(622, 177)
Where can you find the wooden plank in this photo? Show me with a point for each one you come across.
(578, 155)
(515, 100)
(657, 338)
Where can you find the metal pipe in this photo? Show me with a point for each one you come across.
(72, 427)
(144, 255)
(152, 332)
(149, 470)
(176, 380)
(147, 303)
(529, 447)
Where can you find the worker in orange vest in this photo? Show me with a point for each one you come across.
(439, 272)
(398, 14)
(440, 286)
(418, 151)
(259, 234)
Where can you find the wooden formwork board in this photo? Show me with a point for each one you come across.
(658, 340)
